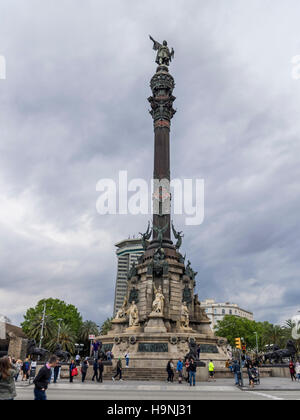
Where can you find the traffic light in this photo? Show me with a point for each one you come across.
(244, 347)
(238, 343)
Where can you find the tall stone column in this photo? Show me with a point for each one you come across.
(162, 111)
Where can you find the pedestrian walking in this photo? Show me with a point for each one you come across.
(170, 370)
(77, 358)
(56, 371)
(25, 369)
(18, 367)
(72, 370)
(187, 370)
(96, 346)
(211, 371)
(127, 359)
(84, 369)
(119, 370)
(292, 370)
(7, 379)
(179, 369)
(192, 372)
(100, 368)
(41, 381)
(95, 368)
(237, 372)
(297, 370)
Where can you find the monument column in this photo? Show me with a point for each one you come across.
(162, 111)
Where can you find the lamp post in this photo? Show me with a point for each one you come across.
(256, 343)
(42, 325)
(59, 321)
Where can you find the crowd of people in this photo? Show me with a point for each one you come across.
(12, 370)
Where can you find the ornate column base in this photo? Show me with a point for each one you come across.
(155, 323)
(134, 329)
(119, 325)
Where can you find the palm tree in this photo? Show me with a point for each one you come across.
(106, 326)
(88, 328)
(274, 335)
(34, 329)
(66, 339)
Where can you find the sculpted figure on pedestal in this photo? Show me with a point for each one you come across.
(122, 312)
(185, 317)
(158, 303)
(133, 315)
(164, 55)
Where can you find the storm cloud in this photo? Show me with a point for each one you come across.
(74, 110)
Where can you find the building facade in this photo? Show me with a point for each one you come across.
(216, 311)
(128, 252)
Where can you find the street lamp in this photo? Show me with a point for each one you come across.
(256, 342)
(59, 321)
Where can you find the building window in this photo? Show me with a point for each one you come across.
(223, 311)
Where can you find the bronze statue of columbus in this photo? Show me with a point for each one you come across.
(164, 55)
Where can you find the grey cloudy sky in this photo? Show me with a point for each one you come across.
(74, 110)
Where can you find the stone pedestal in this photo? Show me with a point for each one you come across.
(134, 329)
(119, 325)
(155, 324)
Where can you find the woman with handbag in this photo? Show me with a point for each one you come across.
(72, 370)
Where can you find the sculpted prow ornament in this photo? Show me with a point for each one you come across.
(146, 236)
(178, 236)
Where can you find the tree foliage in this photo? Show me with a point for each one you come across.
(268, 334)
(106, 326)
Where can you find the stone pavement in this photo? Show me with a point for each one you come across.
(134, 391)
(267, 384)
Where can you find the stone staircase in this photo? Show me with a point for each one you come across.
(138, 374)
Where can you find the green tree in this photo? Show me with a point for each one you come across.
(55, 310)
(87, 328)
(106, 326)
(65, 337)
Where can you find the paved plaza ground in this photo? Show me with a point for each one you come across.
(222, 389)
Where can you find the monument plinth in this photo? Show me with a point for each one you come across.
(163, 317)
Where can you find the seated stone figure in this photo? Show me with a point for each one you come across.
(122, 312)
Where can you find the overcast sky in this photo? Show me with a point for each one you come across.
(74, 110)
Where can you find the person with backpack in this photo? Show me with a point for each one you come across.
(170, 371)
(7, 379)
(236, 369)
(42, 379)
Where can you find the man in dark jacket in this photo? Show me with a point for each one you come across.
(236, 369)
(192, 372)
(41, 381)
(95, 368)
(101, 368)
